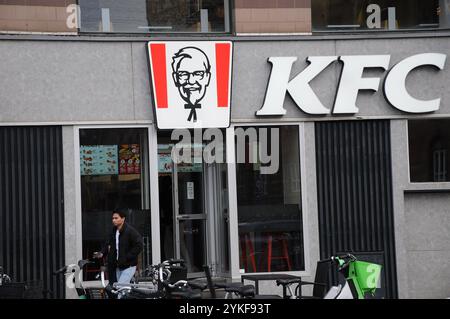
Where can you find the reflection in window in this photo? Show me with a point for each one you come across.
(429, 150)
(144, 16)
(114, 175)
(332, 15)
(51, 16)
(269, 207)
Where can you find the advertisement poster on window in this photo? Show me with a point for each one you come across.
(98, 160)
(129, 158)
(164, 163)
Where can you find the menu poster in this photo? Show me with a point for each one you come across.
(164, 163)
(98, 160)
(129, 159)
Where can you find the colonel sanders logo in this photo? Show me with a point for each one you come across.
(191, 75)
(191, 83)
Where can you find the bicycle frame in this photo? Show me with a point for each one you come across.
(73, 274)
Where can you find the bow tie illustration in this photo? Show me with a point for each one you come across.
(193, 113)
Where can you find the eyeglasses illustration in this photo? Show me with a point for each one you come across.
(184, 76)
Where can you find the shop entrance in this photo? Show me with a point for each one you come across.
(193, 210)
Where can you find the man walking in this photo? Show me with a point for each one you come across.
(123, 247)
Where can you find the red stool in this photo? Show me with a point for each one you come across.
(246, 242)
(281, 238)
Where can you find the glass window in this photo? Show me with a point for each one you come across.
(38, 16)
(269, 202)
(281, 16)
(146, 16)
(339, 15)
(114, 175)
(429, 150)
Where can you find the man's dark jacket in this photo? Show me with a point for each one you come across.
(130, 246)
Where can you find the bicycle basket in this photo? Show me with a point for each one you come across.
(367, 275)
(177, 273)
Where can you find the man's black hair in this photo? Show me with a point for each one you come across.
(121, 213)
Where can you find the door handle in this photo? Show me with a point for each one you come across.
(191, 217)
(184, 217)
(191, 231)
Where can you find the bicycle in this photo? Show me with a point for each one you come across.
(356, 279)
(166, 280)
(28, 289)
(74, 278)
(4, 278)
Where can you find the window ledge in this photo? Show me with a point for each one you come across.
(37, 33)
(443, 187)
(207, 36)
(256, 34)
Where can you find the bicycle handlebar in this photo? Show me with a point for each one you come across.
(60, 270)
(175, 261)
(171, 262)
(342, 257)
(84, 262)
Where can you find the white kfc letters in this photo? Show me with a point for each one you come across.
(351, 82)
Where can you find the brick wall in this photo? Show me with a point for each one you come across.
(34, 15)
(273, 16)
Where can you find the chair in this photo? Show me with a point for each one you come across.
(320, 284)
(280, 238)
(247, 243)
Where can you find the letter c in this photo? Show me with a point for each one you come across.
(395, 83)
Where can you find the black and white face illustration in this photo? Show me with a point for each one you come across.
(191, 74)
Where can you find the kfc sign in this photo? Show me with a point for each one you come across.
(191, 83)
(351, 82)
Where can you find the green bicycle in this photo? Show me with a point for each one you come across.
(361, 278)
(356, 280)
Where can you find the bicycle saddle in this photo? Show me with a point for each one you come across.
(284, 282)
(226, 285)
(197, 285)
(188, 294)
(144, 279)
(143, 292)
(243, 290)
(248, 291)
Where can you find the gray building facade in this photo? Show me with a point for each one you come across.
(91, 83)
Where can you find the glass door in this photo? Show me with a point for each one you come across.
(182, 211)
(190, 215)
(193, 210)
